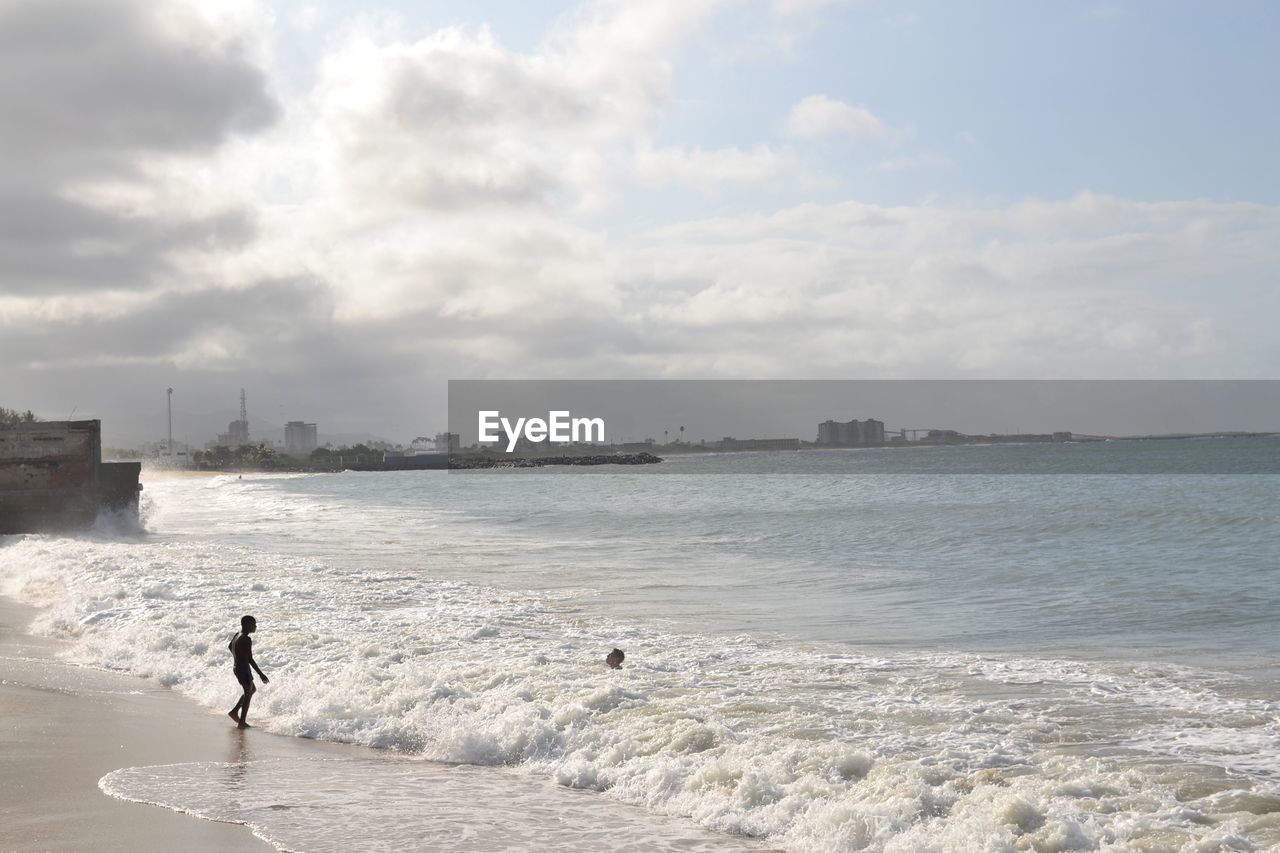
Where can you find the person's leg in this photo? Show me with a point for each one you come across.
(234, 713)
(249, 690)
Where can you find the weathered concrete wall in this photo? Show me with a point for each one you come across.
(118, 486)
(49, 474)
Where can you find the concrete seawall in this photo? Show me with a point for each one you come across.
(52, 477)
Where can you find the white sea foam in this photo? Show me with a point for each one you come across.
(810, 747)
(393, 805)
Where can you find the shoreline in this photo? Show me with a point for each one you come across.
(66, 727)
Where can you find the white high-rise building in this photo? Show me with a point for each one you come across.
(299, 438)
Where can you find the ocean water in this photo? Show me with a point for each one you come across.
(860, 650)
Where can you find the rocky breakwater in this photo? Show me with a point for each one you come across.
(466, 463)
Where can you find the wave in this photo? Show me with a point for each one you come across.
(811, 747)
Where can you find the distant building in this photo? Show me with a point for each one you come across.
(300, 438)
(448, 442)
(829, 432)
(852, 433)
(735, 444)
(237, 434)
(159, 449)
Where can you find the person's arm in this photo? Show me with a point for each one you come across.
(253, 663)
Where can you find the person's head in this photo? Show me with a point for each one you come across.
(615, 658)
(248, 624)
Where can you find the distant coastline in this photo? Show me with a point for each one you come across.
(630, 454)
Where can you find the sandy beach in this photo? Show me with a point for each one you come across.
(65, 727)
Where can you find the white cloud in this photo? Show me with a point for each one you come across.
(787, 8)
(306, 16)
(451, 173)
(819, 115)
(671, 166)
(1084, 286)
(916, 162)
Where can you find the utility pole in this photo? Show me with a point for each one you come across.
(169, 399)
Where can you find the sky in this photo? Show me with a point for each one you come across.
(340, 205)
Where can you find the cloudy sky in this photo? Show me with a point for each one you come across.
(340, 205)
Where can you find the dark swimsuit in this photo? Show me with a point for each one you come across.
(241, 670)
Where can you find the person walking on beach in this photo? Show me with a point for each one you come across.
(241, 647)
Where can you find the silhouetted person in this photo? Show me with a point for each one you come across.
(241, 647)
(615, 658)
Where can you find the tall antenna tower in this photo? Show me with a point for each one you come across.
(244, 412)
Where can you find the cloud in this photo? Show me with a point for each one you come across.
(86, 82)
(818, 115)
(786, 8)
(672, 166)
(211, 328)
(915, 162)
(100, 100)
(450, 171)
(1073, 287)
(454, 121)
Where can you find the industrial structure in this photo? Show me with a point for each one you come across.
(237, 433)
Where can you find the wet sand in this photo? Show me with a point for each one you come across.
(63, 727)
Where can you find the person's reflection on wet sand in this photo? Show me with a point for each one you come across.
(238, 758)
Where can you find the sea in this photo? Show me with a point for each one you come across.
(944, 649)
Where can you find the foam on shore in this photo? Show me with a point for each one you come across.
(326, 804)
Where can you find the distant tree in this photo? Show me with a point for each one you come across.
(256, 455)
(13, 417)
